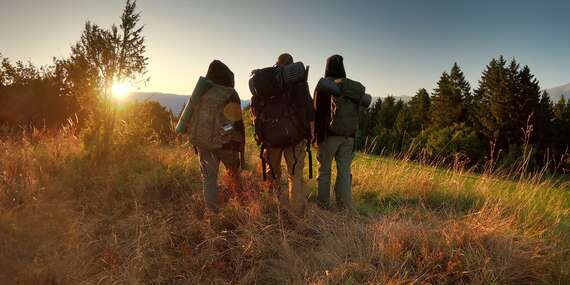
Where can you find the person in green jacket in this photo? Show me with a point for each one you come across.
(336, 122)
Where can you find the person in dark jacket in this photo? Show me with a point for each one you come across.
(294, 197)
(230, 152)
(333, 146)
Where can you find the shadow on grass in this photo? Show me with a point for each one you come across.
(370, 203)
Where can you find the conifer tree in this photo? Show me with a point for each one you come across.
(450, 99)
(495, 103)
(510, 105)
(561, 133)
(419, 111)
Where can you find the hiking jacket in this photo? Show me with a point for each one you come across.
(322, 101)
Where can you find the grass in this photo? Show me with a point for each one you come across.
(138, 218)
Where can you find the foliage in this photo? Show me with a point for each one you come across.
(450, 99)
(419, 109)
(146, 122)
(455, 139)
(108, 56)
(30, 96)
(507, 111)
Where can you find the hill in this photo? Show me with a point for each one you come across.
(173, 102)
(557, 92)
(403, 98)
(66, 218)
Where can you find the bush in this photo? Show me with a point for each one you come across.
(454, 139)
(144, 123)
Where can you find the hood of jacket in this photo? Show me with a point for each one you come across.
(221, 74)
(335, 67)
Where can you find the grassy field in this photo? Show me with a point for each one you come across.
(137, 218)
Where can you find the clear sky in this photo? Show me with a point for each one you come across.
(393, 47)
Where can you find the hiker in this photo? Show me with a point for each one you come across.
(337, 101)
(216, 129)
(284, 124)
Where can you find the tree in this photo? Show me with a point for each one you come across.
(511, 109)
(145, 122)
(544, 122)
(387, 138)
(103, 57)
(30, 95)
(496, 104)
(405, 126)
(456, 138)
(419, 111)
(374, 115)
(388, 113)
(561, 122)
(450, 99)
(463, 88)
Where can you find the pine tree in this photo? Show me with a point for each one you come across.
(463, 90)
(450, 99)
(496, 104)
(374, 116)
(543, 127)
(419, 109)
(510, 105)
(561, 129)
(388, 113)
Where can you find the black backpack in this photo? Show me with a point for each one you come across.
(279, 120)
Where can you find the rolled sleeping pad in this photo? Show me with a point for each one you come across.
(202, 86)
(366, 100)
(294, 72)
(328, 86)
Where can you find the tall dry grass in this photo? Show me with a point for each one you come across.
(138, 218)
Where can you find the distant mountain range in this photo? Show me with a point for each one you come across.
(557, 92)
(173, 102)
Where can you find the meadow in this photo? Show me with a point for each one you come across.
(137, 217)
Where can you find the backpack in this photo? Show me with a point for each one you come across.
(279, 122)
(345, 108)
(210, 126)
(202, 86)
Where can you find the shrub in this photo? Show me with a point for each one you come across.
(457, 138)
(146, 122)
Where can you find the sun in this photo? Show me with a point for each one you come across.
(121, 90)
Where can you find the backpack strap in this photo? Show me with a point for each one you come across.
(265, 164)
(294, 160)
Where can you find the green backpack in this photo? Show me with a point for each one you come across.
(211, 122)
(346, 107)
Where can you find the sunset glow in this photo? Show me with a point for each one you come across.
(121, 90)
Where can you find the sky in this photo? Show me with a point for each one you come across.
(392, 47)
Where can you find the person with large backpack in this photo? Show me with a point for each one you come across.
(283, 117)
(212, 119)
(338, 101)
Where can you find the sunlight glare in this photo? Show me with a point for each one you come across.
(121, 90)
